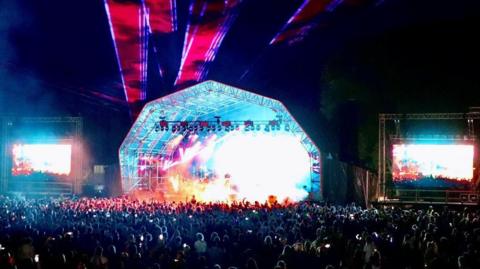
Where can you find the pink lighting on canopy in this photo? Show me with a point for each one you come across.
(125, 27)
(298, 23)
(307, 17)
(134, 22)
(162, 16)
(129, 22)
(208, 25)
(125, 22)
(209, 22)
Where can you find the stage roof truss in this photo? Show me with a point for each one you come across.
(430, 116)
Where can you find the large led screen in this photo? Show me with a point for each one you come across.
(413, 162)
(41, 158)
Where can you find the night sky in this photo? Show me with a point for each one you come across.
(57, 58)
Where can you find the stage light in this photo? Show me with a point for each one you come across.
(156, 127)
(267, 128)
(163, 123)
(287, 127)
(275, 126)
(184, 125)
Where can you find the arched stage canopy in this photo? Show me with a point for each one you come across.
(209, 101)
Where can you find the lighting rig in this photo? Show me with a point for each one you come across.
(218, 125)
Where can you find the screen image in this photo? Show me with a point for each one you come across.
(41, 158)
(447, 162)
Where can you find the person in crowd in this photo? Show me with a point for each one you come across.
(98, 261)
(200, 245)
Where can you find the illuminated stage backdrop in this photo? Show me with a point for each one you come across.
(219, 143)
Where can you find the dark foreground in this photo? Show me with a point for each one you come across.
(122, 233)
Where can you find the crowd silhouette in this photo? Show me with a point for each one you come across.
(127, 233)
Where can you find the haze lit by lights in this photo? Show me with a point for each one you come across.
(263, 164)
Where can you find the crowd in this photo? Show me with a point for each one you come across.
(125, 233)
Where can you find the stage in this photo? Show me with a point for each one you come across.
(214, 142)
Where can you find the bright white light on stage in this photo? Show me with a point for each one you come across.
(41, 158)
(417, 161)
(263, 164)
